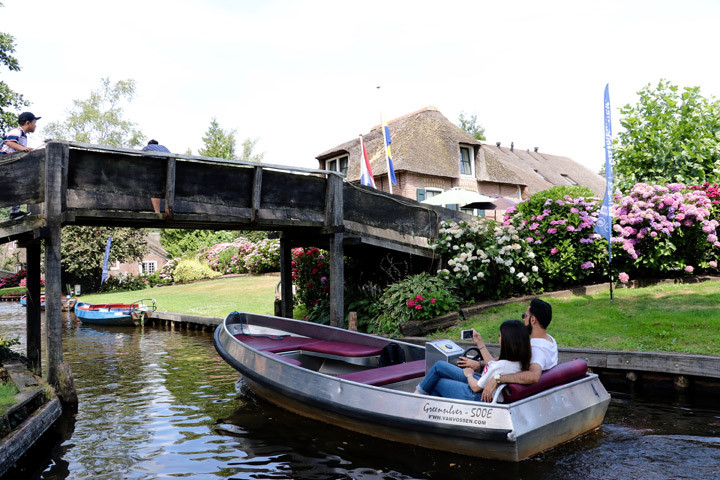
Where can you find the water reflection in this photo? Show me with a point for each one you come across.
(156, 403)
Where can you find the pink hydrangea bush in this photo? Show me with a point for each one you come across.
(663, 229)
(559, 224)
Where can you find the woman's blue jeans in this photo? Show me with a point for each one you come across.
(447, 380)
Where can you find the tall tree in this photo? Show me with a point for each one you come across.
(670, 135)
(247, 153)
(470, 125)
(99, 118)
(219, 143)
(9, 98)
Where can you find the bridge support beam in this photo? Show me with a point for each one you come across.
(33, 318)
(286, 292)
(334, 221)
(56, 168)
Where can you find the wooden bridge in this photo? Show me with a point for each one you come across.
(67, 183)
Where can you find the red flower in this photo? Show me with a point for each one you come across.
(326, 288)
(432, 300)
(315, 271)
(418, 307)
(308, 285)
(418, 298)
(411, 303)
(320, 265)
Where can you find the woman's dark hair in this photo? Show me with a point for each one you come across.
(515, 344)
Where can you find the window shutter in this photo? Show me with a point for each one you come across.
(420, 194)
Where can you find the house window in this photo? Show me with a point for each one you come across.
(149, 267)
(540, 175)
(569, 180)
(467, 166)
(337, 164)
(431, 192)
(116, 266)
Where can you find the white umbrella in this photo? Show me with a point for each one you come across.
(464, 198)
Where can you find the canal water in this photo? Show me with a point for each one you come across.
(156, 403)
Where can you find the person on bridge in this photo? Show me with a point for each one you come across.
(16, 141)
(154, 146)
(537, 317)
(449, 381)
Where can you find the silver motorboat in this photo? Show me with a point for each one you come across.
(365, 383)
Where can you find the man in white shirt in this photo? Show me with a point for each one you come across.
(16, 141)
(537, 317)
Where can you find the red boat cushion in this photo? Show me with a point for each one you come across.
(558, 375)
(341, 349)
(285, 359)
(389, 374)
(274, 344)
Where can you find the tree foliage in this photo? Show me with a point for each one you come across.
(9, 98)
(670, 135)
(177, 242)
(83, 250)
(470, 125)
(99, 118)
(219, 143)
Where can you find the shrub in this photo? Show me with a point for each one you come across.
(13, 280)
(167, 271)
(243, 256)
(487, 260)
(310, 272)
(126, 283)
(418, 297)
(662, 229)
(189, 269)
(559, 224)
(264, 256)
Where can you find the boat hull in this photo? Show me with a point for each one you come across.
(506, 432)
(122, 316)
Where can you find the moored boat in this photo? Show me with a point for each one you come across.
(334, 375)
(23, 301)
(67, 302)
(115, 314)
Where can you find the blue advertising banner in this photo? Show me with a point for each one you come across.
(105, 261)
(604, 221)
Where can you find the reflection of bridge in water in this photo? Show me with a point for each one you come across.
(80, 184)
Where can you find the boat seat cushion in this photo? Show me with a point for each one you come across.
(389, 374)
(558, 375)
(341, 349)
(274, 344)
(283, 358)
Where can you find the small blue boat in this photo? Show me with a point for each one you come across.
(68, 302)
(23, 301)
(115, 314)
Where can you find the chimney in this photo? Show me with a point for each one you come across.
(536, 148)
(497, 143)
(512, 146)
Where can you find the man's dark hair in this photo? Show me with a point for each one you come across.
(153, 142)
(542, 311)
(515, 343)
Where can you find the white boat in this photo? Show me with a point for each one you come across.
(333, 375)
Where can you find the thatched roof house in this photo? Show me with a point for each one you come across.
(431, 154)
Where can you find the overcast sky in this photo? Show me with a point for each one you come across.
(302, 76)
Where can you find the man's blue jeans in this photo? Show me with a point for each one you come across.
(447, 380)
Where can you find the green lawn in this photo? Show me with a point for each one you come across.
(212, 298)
(3, 291)
(7, 393)
(672, 318)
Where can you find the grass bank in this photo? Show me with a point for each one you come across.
(682, 318)
(3, 291)
(212, 298)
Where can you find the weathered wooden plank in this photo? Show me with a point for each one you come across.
(287, 190)
(213, 184)
(334, 218)
(256, 193)
(170, 189)
(16, 228)
(21, 178)
(116, 173)
(56, 154)
(17, 442)
(182, 317)
(33, 315)
(403, 215)
(94, 200)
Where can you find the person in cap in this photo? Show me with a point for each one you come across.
(153, 146)
(16, 141)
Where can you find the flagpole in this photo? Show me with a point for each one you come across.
(382, 127)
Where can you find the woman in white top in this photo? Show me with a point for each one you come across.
(450, 381)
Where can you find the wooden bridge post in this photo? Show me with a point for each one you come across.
(286, 293)
(56, 167)
(33, 318)
(334, 224)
